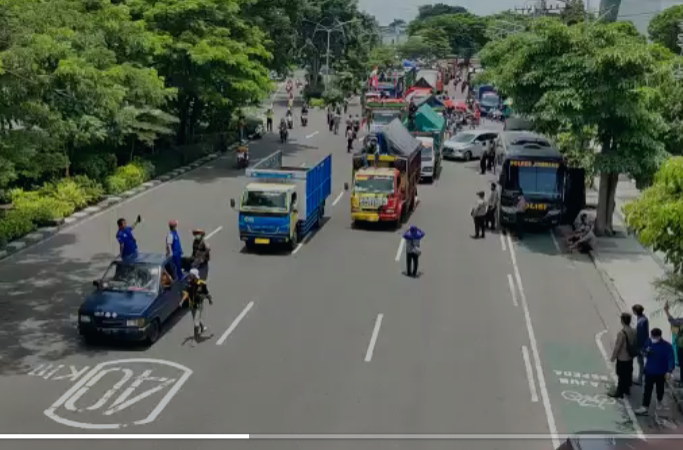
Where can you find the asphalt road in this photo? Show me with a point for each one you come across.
(496, 337)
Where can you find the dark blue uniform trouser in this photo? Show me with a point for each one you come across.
(178, 263)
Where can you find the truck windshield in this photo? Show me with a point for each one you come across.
(426, 154)
(384, 118)
(533, 180)
(490, 100)
(374, 184)
(127, 277)
(264, 199)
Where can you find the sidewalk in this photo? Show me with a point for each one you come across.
(629, 269)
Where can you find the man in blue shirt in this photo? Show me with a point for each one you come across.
(127, 244)
(642, 337)
(659, 364)
(173, 247)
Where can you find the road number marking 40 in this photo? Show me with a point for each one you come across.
(125, 387)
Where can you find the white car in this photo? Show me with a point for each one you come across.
(468, 145)
(427, 170)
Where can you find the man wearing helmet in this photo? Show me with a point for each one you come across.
(200, 250)
(195, 293)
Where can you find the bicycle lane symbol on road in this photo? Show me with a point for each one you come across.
(578, 384)
(135, 389)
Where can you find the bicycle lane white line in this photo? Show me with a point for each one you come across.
(550, 417)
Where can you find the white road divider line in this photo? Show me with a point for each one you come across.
(400, 249)
(297, 248)
(610, 369)
(339, 197)
(312, 134)
(552, 427)
(529, 374)
(234, 324)
(373, 339)
(502, 242)
(554, 238)
(513, 291)
(214, 232)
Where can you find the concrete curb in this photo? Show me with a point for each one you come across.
(621, 304)
(108, 202)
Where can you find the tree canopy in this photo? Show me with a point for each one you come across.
(664, 28)
(438, 9)
(465, 33)
(607, 79)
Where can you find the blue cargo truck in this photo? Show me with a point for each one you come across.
(283, 204)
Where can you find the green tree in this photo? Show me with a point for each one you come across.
(664, 29)
(397, 23)
(657, 216)
(414, 47)
(605, 78)
(574, 12)
(215, 58)
(437, 41)
(382, 56)
(466, 33)
(439, 9)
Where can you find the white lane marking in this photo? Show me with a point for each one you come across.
(312, 134)
(339, 197)
(552, 427)
(297, 248)
(629, 409)
(555, 243)
(234, 324)
(502, 242)
(210, 235)
(400, 249)
(513, 291)
(373, 339)
(529, 374)
(328, 437)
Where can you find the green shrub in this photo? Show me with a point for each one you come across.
(317, 103)
(14, 224)
(129, 176)
(92, 190)
(66, 190)
(40, 209)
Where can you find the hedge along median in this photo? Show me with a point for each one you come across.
(57, 200)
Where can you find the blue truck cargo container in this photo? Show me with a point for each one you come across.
(283, 204)
(488, 99)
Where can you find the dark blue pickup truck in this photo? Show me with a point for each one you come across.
(133, 299)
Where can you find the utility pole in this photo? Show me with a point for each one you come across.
(338, 26)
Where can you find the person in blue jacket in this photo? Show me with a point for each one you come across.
(128, 246)
(659, 364)
(173, 247)
(413, 252)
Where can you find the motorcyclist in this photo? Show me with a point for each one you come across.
(283, 128)
(201, 253)
(304, 114)
(290, 118)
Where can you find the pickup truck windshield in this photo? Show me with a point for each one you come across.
(374, 184)
(544, 181)
(426, 154)
(264, 199)
(126, 277)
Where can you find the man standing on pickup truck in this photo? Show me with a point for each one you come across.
(196, 292)
(173, 247)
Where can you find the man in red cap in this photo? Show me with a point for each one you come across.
(173, 247)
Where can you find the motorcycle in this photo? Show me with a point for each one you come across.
(242, 158)
(283, 135)
(304, 119)
(290, 122)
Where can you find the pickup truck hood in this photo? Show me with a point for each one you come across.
(122, 303)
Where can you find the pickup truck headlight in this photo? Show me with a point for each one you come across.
(136, 323)
(84, 319)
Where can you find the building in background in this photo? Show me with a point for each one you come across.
(394, 34)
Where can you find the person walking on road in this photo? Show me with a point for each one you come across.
(520, 214)
(196, 292)
(479, 216)
(269, 119)
(413, 237)
(624, 351)
(128, 246)
(336, 120)
(659, 364)
(349, 125)
(493, 200)
(678, 325)
(642, 335)
(174, 248)
(350, 137)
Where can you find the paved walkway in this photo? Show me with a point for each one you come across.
(630, 268)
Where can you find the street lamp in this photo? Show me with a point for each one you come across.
(338, 26)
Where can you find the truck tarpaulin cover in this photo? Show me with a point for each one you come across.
(427, 78)
(394, 139)
(428, 120)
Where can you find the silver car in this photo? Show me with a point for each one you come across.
(468, 145)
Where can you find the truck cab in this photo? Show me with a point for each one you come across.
(375, 195)
(268, 214)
